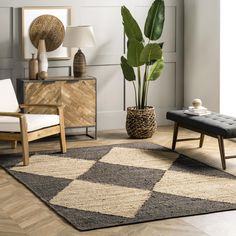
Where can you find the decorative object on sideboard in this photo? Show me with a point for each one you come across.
(46, 23)
(33, 67)
(79, 37)
(43, 75)
(148, 55)
(47, 27)
(43, 60)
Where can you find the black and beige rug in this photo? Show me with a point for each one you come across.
(122, 184)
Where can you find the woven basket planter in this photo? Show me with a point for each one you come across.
(141, 123)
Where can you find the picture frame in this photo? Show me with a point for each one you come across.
(29, 14)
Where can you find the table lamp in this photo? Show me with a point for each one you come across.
(79, 37)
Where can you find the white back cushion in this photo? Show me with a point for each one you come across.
(8, 100)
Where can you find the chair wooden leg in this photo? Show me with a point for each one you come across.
(201, 140)
(63, 140)
(14, 144)
(222, 151)
(25, 149)
(24, 141)
(62, 131)
(175, 135)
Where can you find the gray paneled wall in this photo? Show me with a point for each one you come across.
(114, 95)
(202, 37)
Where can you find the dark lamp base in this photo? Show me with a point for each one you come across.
(79, 64)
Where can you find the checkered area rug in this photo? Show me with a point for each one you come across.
(114, 185)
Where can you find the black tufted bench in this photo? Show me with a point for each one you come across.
(215, 125)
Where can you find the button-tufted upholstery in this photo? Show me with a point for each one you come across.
(214, 123)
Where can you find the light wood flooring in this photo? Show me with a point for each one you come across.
(21, 213)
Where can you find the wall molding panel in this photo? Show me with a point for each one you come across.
(7, 34)
(114, 94)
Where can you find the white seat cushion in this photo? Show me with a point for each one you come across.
(34, 122)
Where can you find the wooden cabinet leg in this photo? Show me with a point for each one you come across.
(222, 151)
(14, 144)
(96, 132)
(201, 140)
(175, 135)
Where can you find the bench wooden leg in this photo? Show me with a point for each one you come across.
(222, 151)
(175, 135)
(201, 140)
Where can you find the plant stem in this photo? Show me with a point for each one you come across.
(147, 88)
(135, 92)
(144, 87)
(139, 87)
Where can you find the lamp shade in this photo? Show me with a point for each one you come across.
(79, 37)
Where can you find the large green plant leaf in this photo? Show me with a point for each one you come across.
(131, 27)
(134, 51)
(151, 52)
(156, 69)
(128, 71)
(155, 20)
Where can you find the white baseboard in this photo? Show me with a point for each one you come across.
(116, 119)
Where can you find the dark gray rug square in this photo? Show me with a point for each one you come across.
(115, 185)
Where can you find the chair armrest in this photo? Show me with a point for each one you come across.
(12, 114)
(56, 107)
(22, 120)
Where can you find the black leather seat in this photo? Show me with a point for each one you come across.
(214, 123)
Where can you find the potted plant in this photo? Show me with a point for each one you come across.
(141, 119)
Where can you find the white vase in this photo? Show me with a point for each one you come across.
(42, 56)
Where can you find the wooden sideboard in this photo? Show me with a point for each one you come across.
(77, 96)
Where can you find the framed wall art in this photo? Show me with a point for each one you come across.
(48, 23)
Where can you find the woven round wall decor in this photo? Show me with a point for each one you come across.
(49, 28)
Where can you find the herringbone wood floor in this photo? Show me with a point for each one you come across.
(21, 213)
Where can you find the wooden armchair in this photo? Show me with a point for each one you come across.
(16, 126)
